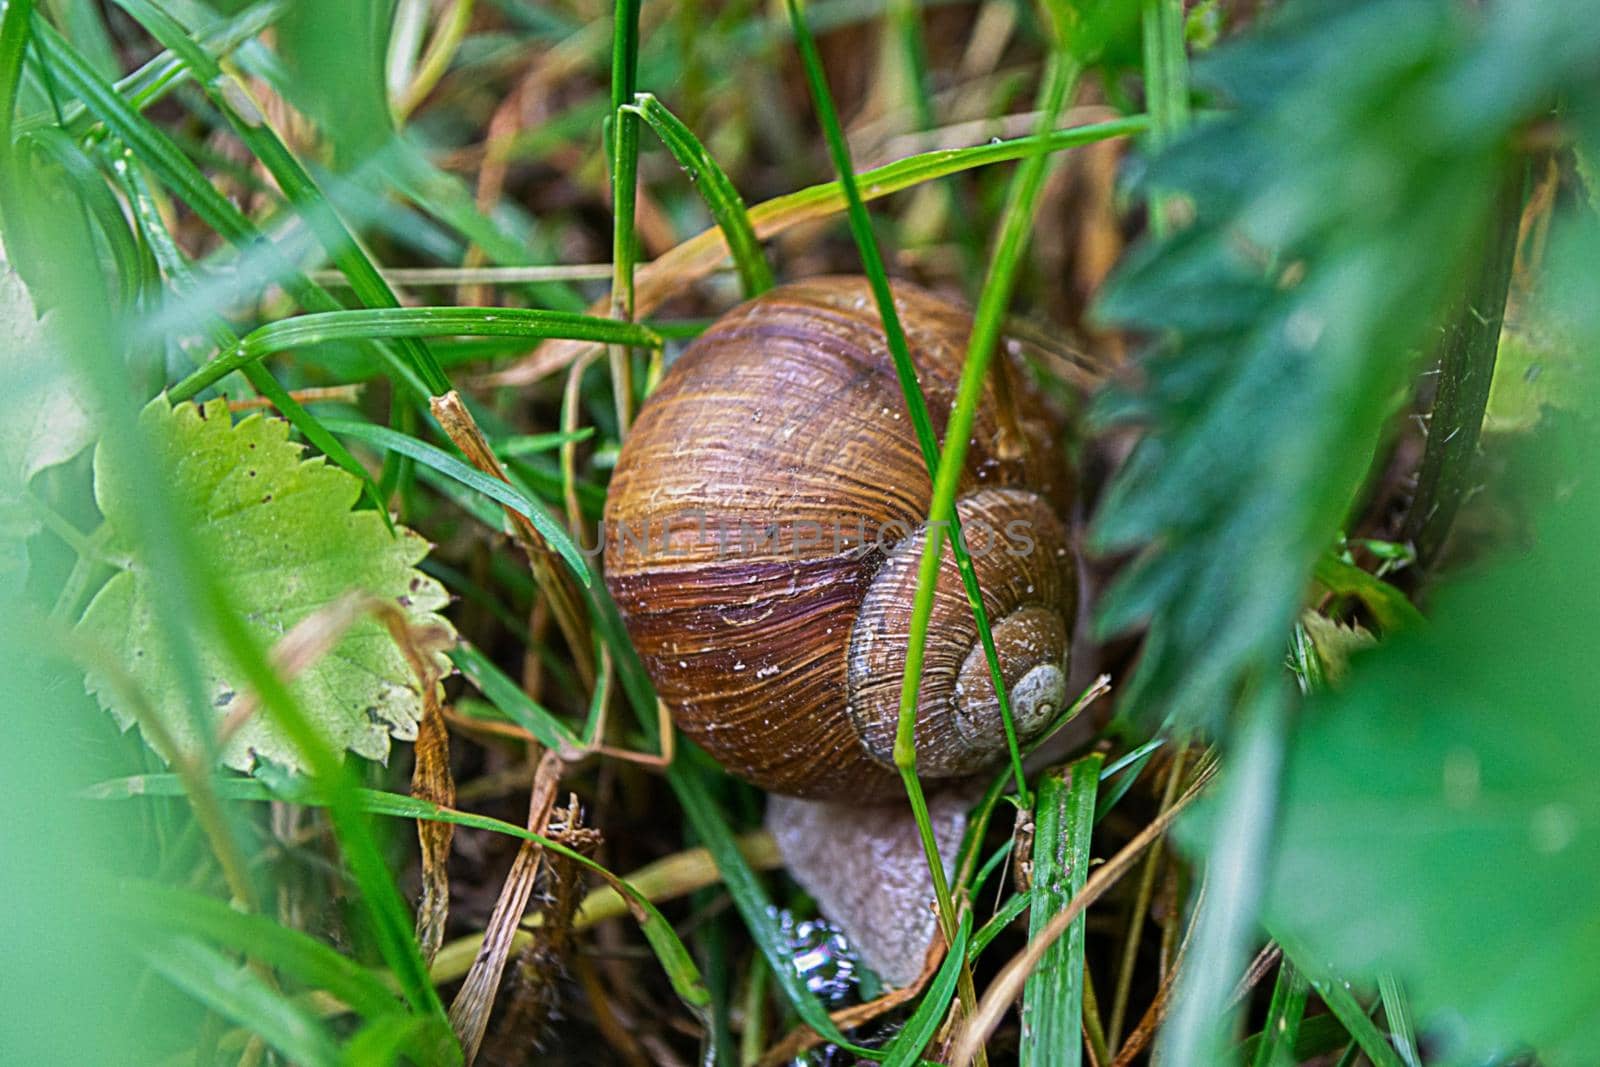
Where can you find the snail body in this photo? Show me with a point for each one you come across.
(763, 533)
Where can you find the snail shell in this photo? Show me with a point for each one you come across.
(764, 527)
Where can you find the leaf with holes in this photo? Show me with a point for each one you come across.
(278, 530)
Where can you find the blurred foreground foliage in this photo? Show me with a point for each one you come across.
(1426, 827)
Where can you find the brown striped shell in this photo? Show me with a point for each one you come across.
(763, 531)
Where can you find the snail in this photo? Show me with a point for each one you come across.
(763, 532)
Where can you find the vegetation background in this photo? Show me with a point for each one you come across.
(1317, 278)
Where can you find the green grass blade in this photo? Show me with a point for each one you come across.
(1197, 1030)
(1281, 1030)
(716, 188)
(174, 910)
(1396, 1010)
(509, 697)
(894, 332)
(230, 97)
(1355, 1019)
(1052, 999)
(170, 258)
(674, 957)
(384, 1041)
(133, 269)
(499, 491)
(81, 21)
(1003, 917)
(624, 252)
(992, 303)
(243, 997)
(164, 72)
(178, 173)
(752, 902)
(622, 146)
(907, 1046)
(1166, 67)
(1166, 75)
(14, 23)
(189, 598)
(528, 444)
(366, 323)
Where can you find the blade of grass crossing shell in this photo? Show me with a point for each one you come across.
(229, 96)
(1017, 218)
(721, 198)
(366, 323)
(907, 1046)
(1281, 1029)
(1052, 999)
(872, 263)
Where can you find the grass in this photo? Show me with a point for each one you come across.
(381, 249)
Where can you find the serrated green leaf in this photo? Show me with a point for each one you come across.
(1336, 642)
(280, 531)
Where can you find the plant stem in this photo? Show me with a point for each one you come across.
(1466, 369)
(1166, 82)
(623, 147)
(1141, 903)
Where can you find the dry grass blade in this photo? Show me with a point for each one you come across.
(431, 781)
(1156, 1013)
(547, 568)
(534, 1000)
(339, 394)
(469, 1014)
(668, 878)
(1008, 985)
